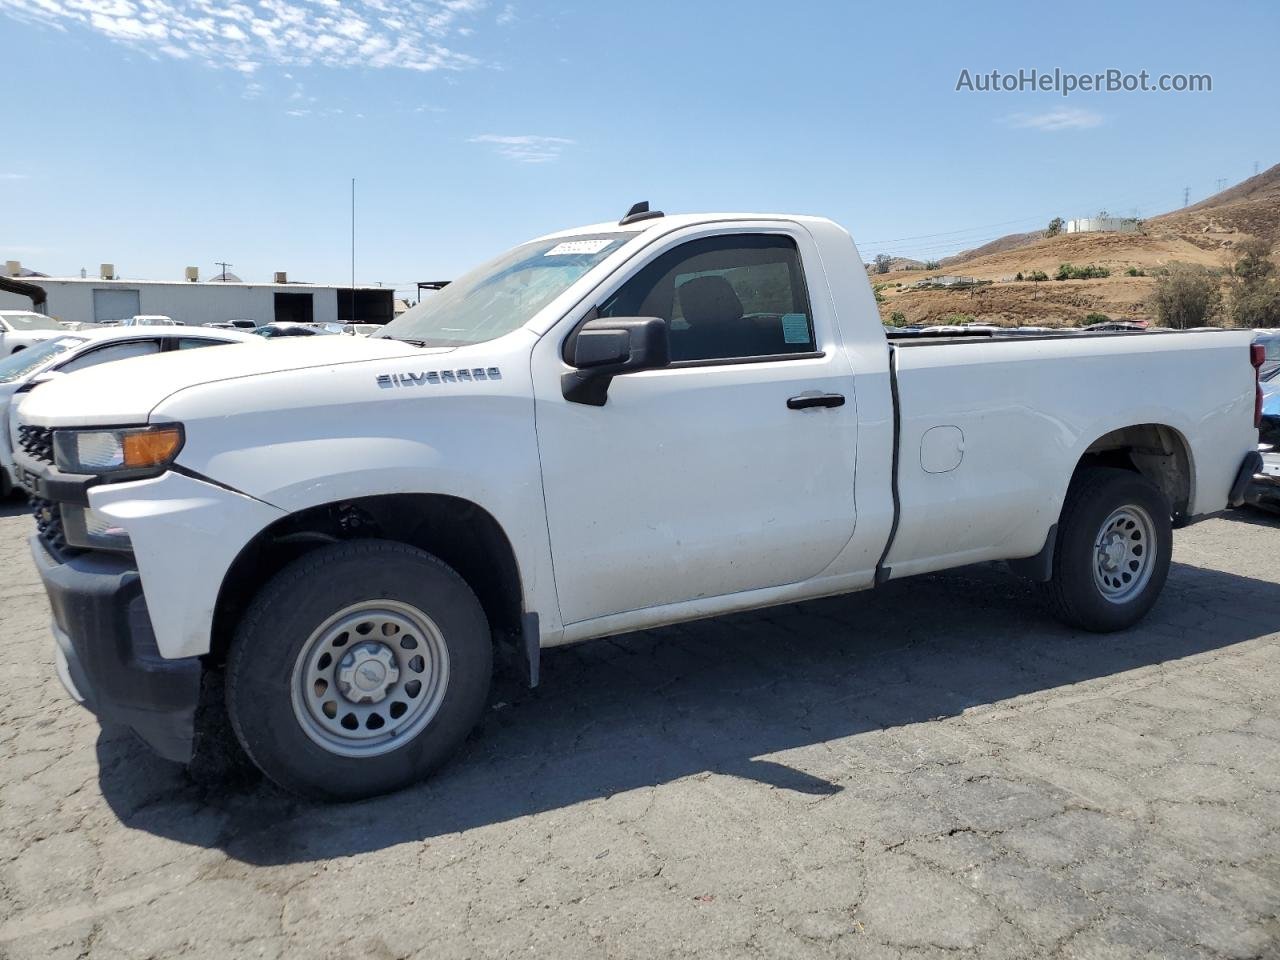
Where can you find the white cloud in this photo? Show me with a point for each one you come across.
(1066, 118)
(507, 16)
(15, 176)
(408, 34)
(525, 149)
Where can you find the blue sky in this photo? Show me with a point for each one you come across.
(157, 133)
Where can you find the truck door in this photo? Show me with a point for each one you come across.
(730, 470)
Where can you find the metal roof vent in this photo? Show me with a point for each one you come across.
(107, 271)
(192, 274)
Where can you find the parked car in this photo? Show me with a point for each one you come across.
(1269, 340)
(1264, 491)
(150, 320)
(289, 329)
(69, 352)
(239, 324)
(20, 329)
(1117, 326)
(602, 430)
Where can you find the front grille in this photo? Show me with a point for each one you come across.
(49, 523)
(36, 442)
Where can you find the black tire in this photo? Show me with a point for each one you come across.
(1074, 591)
(289, 611)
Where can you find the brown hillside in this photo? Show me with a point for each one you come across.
(1010, 241)
(1202, 234)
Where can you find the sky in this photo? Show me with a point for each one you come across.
(156, 134)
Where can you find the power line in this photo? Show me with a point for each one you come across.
(948, 233)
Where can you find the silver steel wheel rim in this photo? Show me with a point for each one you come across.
(370, 678)
(1124, 554)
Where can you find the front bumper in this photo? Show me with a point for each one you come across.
(106, 650)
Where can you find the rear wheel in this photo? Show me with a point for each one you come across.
(358, 670)
(1115, 539)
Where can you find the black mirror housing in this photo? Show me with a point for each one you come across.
(607, 346)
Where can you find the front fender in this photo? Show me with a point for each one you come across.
(185, 534)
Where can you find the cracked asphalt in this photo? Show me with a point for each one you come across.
(935, 769)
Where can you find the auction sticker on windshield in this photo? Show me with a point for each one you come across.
(570, 247)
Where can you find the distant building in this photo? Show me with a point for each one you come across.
(1104, 225)
(196, 302)
(949, 282)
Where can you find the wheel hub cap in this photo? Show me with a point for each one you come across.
(370, 678)
(1124, 553)
(367, 673)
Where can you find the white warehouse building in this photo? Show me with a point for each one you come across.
(196, 302)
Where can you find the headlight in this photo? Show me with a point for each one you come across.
(132, 449)
(85, 527)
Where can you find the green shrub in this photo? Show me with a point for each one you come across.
(898, 319)
(1018, 275)
(1187, 296)
(1067, 271)
(1037, 275)
(1255, 288)
(1136, 272)
(1096, 318)
(957, 319)
(932, 265)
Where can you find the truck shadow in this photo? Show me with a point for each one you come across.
(14, 506)
(716, 696)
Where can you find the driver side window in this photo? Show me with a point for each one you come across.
(724, 298)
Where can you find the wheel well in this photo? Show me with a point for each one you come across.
(459, 532)
(1156, 451)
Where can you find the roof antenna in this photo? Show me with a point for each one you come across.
(639, 211)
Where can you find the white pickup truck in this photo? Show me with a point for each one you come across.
(605, 429)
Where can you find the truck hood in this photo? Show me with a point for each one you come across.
(125, 392)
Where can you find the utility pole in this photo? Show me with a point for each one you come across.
(353, 249)
(1255, 168)
(1186, 194)
(1222, 182)
(223, 264)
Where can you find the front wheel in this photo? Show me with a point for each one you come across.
(358, 669)
(1115, 539)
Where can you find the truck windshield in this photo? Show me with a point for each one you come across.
(504, 293)
(18, 365)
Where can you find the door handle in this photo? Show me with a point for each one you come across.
(805, 401)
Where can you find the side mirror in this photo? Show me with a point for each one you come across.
(607, 346)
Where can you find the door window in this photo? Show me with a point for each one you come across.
(110, 353)
(724, 298)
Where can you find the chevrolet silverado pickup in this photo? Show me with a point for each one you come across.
(611, 428)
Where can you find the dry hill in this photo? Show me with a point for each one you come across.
(1204, 233)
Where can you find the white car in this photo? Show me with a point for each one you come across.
(68, 352)
(20, 329)
(149, 320)
(608, 429)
